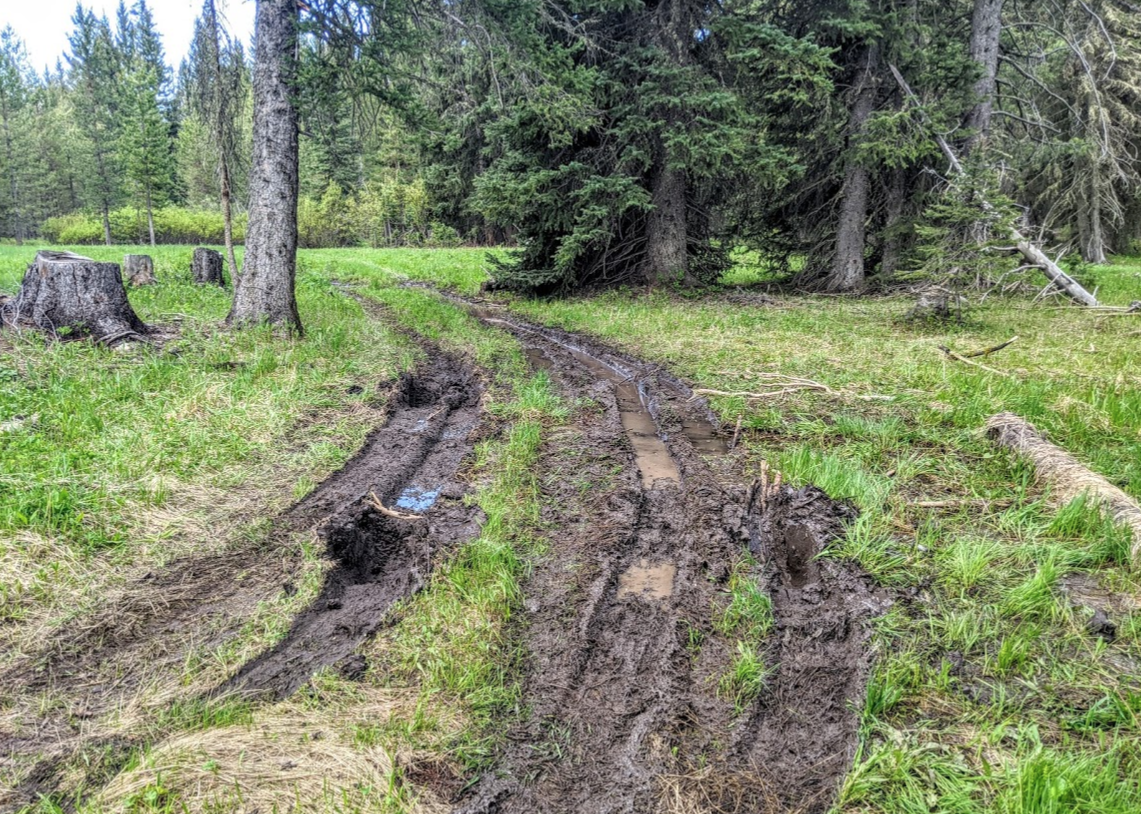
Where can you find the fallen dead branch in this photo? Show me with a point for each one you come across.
(958, 503)
(992, 349)
(778, 384)
(1066, 476)
(960, 358)
(736, 433)
(374, 501)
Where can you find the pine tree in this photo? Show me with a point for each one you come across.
(14, 101)
(625, 139)
(145, 149)
(96, 75)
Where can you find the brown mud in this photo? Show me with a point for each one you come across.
(624, 687)
(410, 464)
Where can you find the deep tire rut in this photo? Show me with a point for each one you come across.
(409, 464)
(383, 518)
(625, 652)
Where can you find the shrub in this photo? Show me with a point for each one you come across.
(173, 224)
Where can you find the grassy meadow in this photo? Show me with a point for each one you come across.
(989, 692)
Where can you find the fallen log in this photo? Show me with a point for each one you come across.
(1065, 475)
(1034, 256)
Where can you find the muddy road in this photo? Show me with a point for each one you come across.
(627, 707)
(629, 711)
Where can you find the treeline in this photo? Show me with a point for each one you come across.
(113, 146)
(640, 141)
(616, 141)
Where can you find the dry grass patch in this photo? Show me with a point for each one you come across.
(308, 754)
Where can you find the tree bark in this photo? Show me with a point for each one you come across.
(64, 290)
(986, 28)
(228, 221)
(668, 227)
(1091, 235)
(667, 248)
(847, 272)
(150, 218)
(1067, 478)
(265, 290)
(893, 240)
(106, 211)
(206, 267)
(140, 269)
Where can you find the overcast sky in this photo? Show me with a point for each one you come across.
(44, 25)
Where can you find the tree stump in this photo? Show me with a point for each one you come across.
(140, 269)
(207, 267)
(62, 290)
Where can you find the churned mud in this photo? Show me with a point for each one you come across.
(382, 517)
(628, 691)
(629, 709)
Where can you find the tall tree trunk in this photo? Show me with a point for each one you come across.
(667, 231)
(13, 183)
(1091, 235)
(893, 239)
(986, 27)
(265, 290)
(106, 212)
(220, 135)
(667, 251)
(104, 204)
(228, 221)
(847, 272)
(150, 217)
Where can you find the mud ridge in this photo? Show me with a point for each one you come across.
(626, 650)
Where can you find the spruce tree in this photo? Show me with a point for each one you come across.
(96, 76)
(145, 148)
(14, 101)
(612, 165)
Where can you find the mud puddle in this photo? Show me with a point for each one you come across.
(653, 581)
(625, 630)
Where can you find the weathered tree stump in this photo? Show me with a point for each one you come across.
(62, 290)
(207, 267)
(140, 269)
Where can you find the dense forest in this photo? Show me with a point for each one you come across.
(610, 141)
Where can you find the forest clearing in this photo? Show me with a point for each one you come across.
(570, 406)
(185, 520)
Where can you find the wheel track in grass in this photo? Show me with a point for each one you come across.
(628, 711)
(409, 464)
